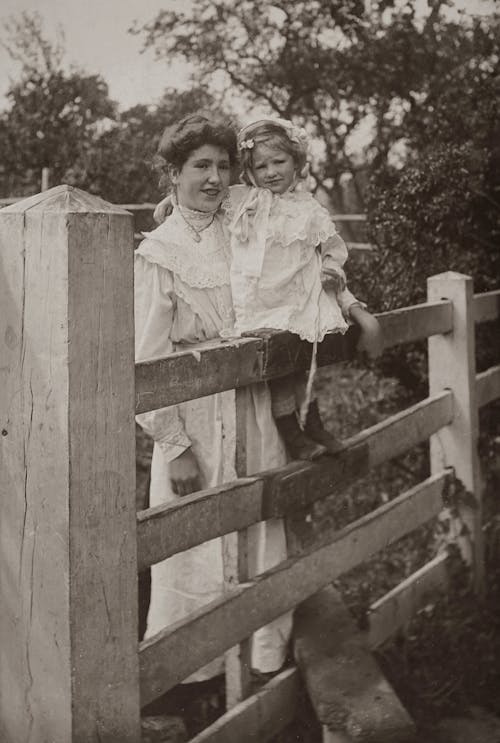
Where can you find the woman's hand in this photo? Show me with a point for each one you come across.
(185, 476)
(163, 209)
(371, 341)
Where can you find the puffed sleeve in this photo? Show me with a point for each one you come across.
(154, 312)
(333, 256)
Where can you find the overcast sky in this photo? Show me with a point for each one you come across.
(97, 41)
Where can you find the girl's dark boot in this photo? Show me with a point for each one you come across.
(315, 430)
(299, 446)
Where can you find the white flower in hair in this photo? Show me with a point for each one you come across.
(247, 144)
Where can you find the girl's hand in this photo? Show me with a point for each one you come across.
(185, 476)
(371, 341)
(163, 209)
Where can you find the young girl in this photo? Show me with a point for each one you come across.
(287, 271)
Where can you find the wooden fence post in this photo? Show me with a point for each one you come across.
(45, 182)
(452, 365)
(68, 565)
(235, 546)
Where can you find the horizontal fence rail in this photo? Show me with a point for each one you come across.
(396, 608)
(224, 365)
(171, 655)
(164, 530)
(488, 386)
(487, 306)
(261, 716)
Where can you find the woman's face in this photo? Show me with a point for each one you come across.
(203, 179)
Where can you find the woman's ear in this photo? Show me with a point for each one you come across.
(173, 174)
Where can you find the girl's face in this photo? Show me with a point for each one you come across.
(202, 180)
(273, 168)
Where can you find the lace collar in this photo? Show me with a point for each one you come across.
(199, 264)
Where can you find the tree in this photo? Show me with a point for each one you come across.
(327, 64)
(120, 166)
(66, 121)
(424, 81)
(52, 116)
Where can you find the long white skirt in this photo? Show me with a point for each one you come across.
(187, 581)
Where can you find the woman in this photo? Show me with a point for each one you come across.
(183, 298)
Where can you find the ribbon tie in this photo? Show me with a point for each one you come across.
(249, 229)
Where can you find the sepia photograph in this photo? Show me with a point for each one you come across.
(250, 371)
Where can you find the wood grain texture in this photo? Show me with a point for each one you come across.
(346, 687)
(223, 365)
(237, 661)
(69, 599)
(261, 716)
(393, 611)
(452, 365)
(165, 530)
(487, 306)
(177, 651)
(488, 386)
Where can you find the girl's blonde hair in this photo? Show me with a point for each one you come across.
(278, 133)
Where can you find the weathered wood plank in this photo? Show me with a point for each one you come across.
(394, 610)
(452, 365)
(488, 386)
(487, 306)
(349, 217)
(223, 365)
(259, 717)
(171, 655)
(185, 375)
(164, 530)
(410, 324)
(237, 660)
(171, 528)
(346, 687)
(361, 248)
(390, 438)
(69, 667)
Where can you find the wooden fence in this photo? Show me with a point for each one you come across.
(71, 544)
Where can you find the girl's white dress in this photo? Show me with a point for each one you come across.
(280, 243)
(183, 299)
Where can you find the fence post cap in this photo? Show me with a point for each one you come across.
(449, 276)
(66, 199)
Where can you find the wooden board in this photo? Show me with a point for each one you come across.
(259, 717)
(346, 687)
(394, 610)
(452, 366)
(164, 530)
(487, 306)
(171, 655)
(410, 324)
(68, 568)
(488, 386)
(223, 365)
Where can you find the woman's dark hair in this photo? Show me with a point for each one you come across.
(193, 131)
